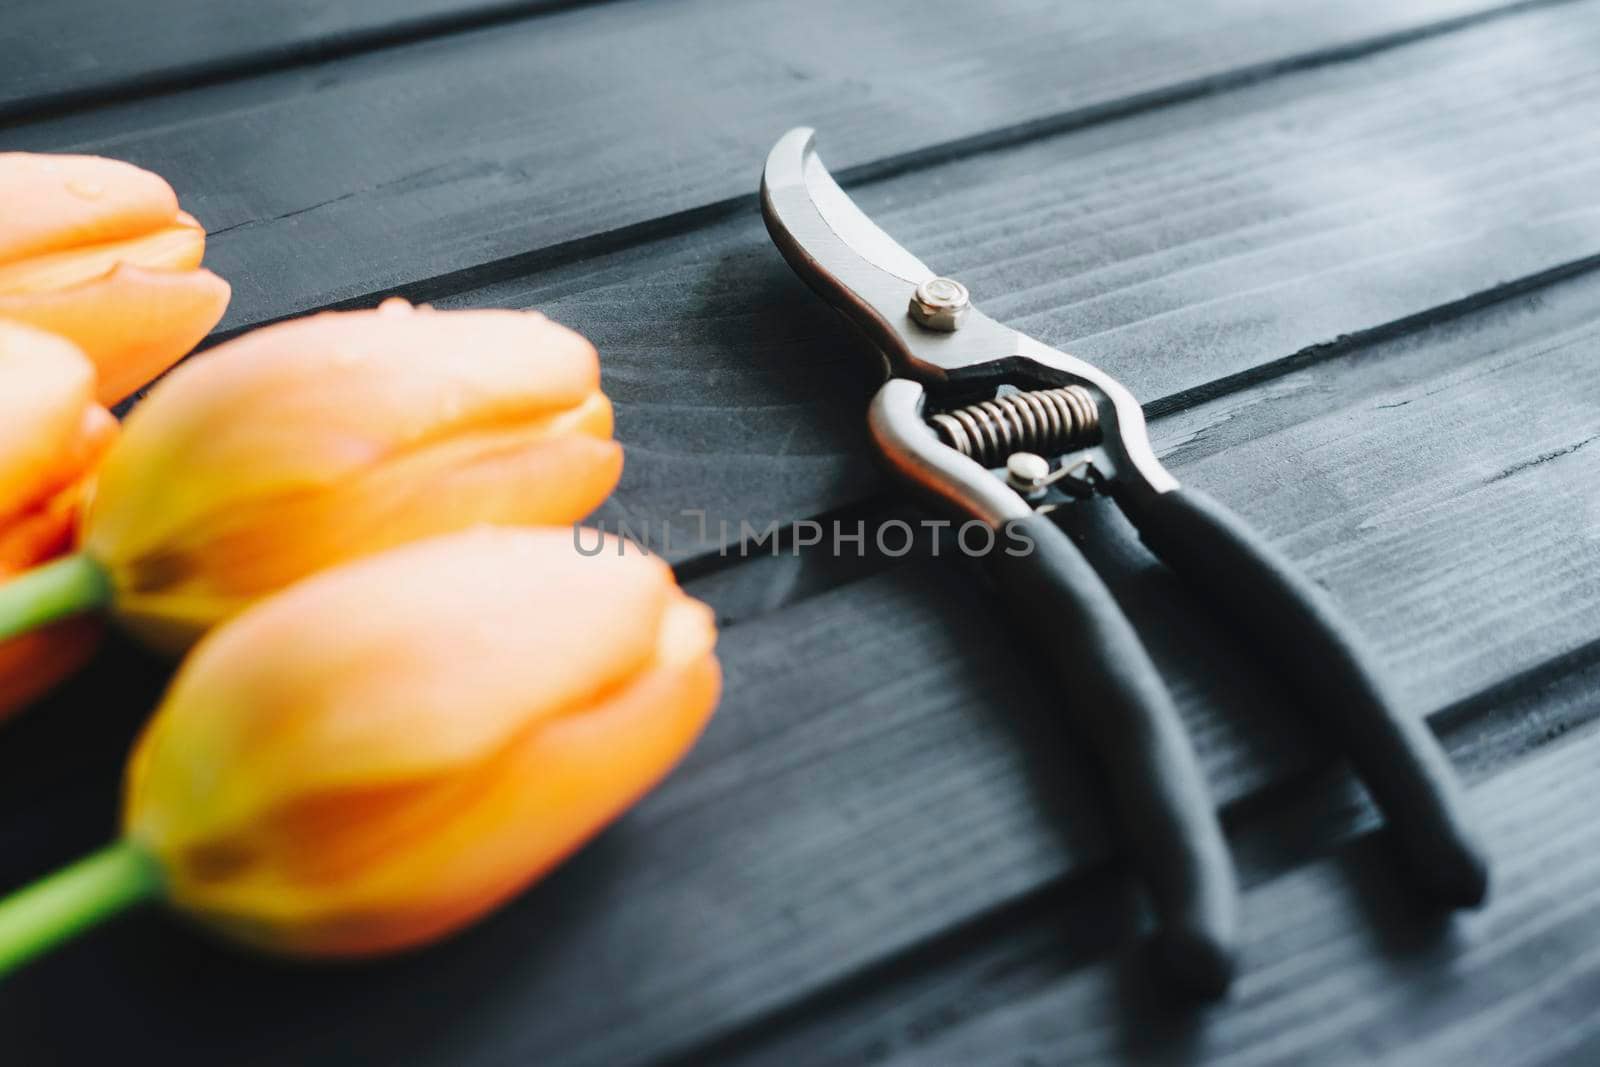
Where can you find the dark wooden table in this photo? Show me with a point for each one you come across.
(1345, 253)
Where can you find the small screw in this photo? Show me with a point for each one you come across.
(940, 304)
(1026, 472)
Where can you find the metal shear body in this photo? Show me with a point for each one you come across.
(1002, 428)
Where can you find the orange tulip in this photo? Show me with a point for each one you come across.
(96, 250)
(382, 753)
(52, 436)
(316, 441)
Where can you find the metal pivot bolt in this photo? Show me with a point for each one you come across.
(940, 304)
(1027, 473)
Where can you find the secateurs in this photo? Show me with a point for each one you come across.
(1002, 428)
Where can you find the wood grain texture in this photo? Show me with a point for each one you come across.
(1189, 251)
(1341, 968)
(433, 164)
(75, 52)
(885, 768)
(887, 775)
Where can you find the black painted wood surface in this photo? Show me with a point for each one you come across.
(1345, 255)
(1191, 250)
(430, 165)
(78, 53)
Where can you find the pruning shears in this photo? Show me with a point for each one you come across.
(1002, 428)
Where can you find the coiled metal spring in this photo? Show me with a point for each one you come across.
(1045, 421)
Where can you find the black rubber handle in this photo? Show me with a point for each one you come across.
(1119, 702)
(1300, 628)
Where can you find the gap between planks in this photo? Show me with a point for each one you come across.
(194, 68)
(474, 191)
(679, 223)
(1002, 973)
(891, 1003)
(1230, 241)
(871, 780)
(1572, 298)
(812, 569)
(1496, 724)
(86, 83)
(1193, 449)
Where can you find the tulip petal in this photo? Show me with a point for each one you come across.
(46, 385)
(133, 323)
(530, 807)
(34, 536)
(52, 436)
(381, 753)
(174, 247)
(548, 472)
(304, 405)
(32, 664)
(49, 529)
(399, 666)
(55, 202)
(356, 872)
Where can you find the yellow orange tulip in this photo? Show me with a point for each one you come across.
(323, 439)
(97, 251)
(52, 436)
(383, 752)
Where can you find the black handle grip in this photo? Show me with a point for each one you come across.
(1296, 624)
(1120, 703)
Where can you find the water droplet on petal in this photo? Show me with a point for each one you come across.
(395, 305)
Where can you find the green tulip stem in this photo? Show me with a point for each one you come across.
(70, 585)
(37, 917)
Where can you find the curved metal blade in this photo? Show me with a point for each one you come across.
(800, 195)
(861, 270)
(867, 276)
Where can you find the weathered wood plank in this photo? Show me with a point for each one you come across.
(685, 940)
(72, 52)
(1340, 966)
(432, 164)
(1184, 249)
(885, 766)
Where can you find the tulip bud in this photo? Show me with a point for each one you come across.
(97, 251)
(52, 436)
(383, 752)
(312, 442)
